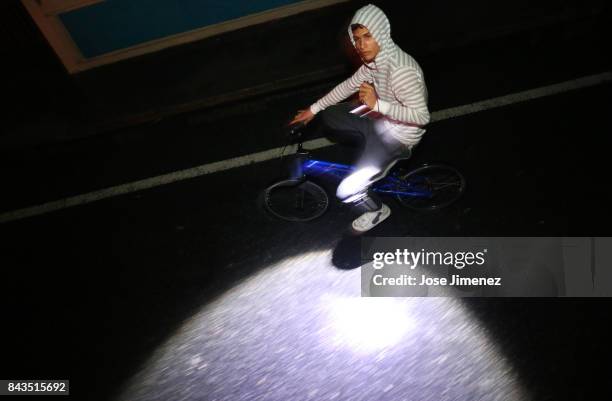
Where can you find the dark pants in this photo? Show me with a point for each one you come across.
(378, 152)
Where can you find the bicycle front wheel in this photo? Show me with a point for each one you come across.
(431, 187)
(296, 200)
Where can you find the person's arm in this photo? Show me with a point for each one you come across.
(341, 91)
(410, 91)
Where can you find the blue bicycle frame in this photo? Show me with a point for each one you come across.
(391, 184)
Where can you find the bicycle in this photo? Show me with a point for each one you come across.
(428, 187)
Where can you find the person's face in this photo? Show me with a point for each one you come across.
(365, 44)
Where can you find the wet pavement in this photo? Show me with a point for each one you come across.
(189, 291)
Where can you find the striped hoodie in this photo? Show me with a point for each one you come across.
(397, 77)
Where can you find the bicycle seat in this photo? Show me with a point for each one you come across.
(405, 155)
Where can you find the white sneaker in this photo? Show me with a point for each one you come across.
(368, 220)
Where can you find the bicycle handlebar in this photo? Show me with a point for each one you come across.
(294, 130)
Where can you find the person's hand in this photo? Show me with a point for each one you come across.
(367, 95)
(302, 116)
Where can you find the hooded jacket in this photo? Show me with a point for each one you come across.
(396, 76)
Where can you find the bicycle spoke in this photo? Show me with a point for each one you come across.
(431, 187)
(296, 201)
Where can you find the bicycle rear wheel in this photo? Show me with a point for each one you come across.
(432, 187)
(295, 200)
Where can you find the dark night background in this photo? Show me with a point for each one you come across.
(90, 292)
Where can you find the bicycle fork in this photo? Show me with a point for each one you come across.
(296, 167)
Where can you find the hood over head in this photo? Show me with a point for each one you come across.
(377, 23)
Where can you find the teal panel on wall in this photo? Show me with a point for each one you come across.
(118, 24)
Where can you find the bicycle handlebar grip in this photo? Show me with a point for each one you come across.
(295, 129)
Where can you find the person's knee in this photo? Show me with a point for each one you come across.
(349, 193)
(354, 187)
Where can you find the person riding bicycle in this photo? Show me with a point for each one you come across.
(392, 85)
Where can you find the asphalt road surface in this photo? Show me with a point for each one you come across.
(188, 291)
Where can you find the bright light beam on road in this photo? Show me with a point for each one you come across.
(299, 330)
(368, 324)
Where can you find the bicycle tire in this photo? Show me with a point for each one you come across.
(445, 183)
(295, 200)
